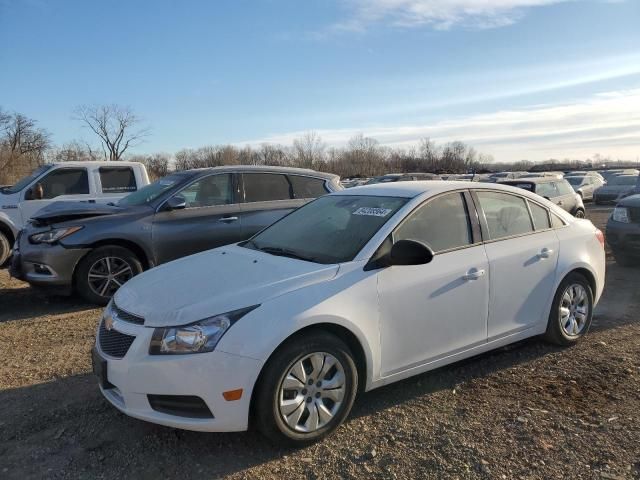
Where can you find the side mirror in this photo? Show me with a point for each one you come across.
(177, 202)
(410, 252)
(35, 193)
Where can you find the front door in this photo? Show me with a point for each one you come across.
(434, 310)
(210, 219)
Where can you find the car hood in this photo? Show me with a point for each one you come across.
(632, 201)
(214, 282)
(57, 212)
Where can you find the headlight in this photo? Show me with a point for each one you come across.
(621, 214)
(54, 235)
(198, 337)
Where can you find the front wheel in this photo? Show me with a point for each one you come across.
(5, 248)
(103, 271)
(306, 390)
(579, 214)
(571, 312)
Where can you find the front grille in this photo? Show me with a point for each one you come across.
(126, 316)
(634, 214)
(180, 405)
(114, 343)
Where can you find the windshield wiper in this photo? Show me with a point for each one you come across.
(284, 252)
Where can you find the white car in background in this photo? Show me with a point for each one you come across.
(353, 291)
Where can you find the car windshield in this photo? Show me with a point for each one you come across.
(623, 180)
(152, 191)
(26, 180)
(331, 229)
(575, 181)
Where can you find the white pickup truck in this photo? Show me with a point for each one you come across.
(92, 182)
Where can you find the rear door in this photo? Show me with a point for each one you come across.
(523, 253)
(210, 219)
(266, 198)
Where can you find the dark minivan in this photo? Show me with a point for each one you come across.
(94, 249)
(556, 190)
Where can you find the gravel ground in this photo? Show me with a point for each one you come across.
(527, 411)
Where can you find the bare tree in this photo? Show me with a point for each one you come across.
(21, 135)
(308, 149)
(117, 127)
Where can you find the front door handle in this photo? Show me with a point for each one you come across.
(545, 253)
(228, 219)
(473, 274)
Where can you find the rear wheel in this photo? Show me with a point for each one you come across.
(579, 213)
(5, 248)
(571, 312)
(307, 389)
(103, 271)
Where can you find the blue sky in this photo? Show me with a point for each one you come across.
(515, 78)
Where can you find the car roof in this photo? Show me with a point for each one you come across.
(413, 189)
(99, 163)
(264, 169)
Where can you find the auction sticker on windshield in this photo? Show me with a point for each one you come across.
(373, 212)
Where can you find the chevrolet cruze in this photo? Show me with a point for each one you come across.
(353, 291)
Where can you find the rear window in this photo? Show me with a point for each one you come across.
(547, 190)
(265, 187)
(307, 187)
(117, 180)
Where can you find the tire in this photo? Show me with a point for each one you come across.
(293, 354)
(96, 262)
(579, 213)
(5, 249)
(560, 329)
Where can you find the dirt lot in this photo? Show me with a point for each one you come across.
(527, 411)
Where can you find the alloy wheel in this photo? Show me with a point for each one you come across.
(574, 310)
(311, 392)
(108, 274)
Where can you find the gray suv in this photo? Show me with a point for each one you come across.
(93, 249)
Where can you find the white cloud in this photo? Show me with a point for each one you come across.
(607, 123)
(440, 14)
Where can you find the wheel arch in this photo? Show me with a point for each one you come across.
(340, 331)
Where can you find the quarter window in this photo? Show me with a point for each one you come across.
(507, 215)
(264, 187)
(556, 221)
(208, 192)
(540, 216)
(66, 181)
(307, 187)
(442, 223)
(117, 180)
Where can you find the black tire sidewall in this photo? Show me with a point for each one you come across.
(555, 333)
(82, 271)
(269, 421)
(5, 249)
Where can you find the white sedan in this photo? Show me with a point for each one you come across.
(353, 291)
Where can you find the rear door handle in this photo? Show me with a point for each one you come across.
(473, 274)
(545, 253)
(228, 219)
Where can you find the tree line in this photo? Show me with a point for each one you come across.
(115, 130)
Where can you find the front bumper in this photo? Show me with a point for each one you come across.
(130, 379)
(623, 237)
(45, 265)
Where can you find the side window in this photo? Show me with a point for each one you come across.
(209, 191)
(307, 187)
(264, 187)
(556, 221)
(66, 181)
(506, 215)
(547, 190)
(117, 180)
(540, 216)
(564, 188)
(442, 223)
